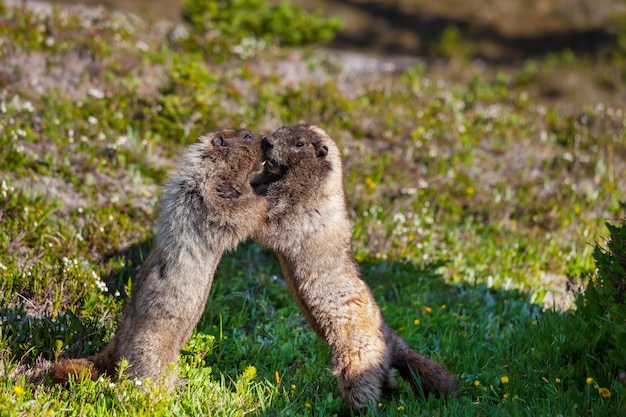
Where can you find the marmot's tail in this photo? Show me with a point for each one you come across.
(93, 366)
(61, 371)
(425, 375)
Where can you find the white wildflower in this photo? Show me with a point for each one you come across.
(28, 106)
(142, 46)
(95, 93)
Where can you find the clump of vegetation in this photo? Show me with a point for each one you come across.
(602, 304)
(247, 24)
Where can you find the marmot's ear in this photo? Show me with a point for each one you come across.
(322, 151)
(219, 141)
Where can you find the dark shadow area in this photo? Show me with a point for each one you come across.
(390, 27)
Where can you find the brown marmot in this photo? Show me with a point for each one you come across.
(307, 225)
(207, 208)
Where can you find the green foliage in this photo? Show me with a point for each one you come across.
(242, 23)
(453, 45)
(602, 305)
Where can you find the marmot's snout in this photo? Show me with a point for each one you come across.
(266, 145)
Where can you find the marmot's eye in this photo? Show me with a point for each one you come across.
(299, 144)
(247, 135)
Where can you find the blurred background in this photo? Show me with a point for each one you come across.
(460, 39)
(501, 30)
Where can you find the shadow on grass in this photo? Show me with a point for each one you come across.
(478, 332)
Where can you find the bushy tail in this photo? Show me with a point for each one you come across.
(425, 375)
(61, 371)
(93, 366)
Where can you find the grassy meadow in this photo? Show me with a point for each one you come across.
(480, 194)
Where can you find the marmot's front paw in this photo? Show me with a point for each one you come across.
(226, 190)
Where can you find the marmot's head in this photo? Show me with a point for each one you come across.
(226, 155)
(304, 153)
(230, 149)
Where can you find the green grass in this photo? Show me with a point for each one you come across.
(472, 203)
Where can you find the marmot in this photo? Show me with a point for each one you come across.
(307, 225)
(207, 208)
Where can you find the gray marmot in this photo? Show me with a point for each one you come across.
(207, 208)
(307, 225)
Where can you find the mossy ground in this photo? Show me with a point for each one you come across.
(475, 200)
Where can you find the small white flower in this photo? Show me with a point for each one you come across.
(95, 93)
(28, 106)
(92, 120)
(142, 46)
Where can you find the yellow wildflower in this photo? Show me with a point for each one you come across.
(380, 405)
(428, 309)
(504, 379)
(19, 390)
(477, 383)
(589, 381)
(416, 322)
(443, 306)
(400, 408)
(505, 396)
(558, 380)
(604, 392)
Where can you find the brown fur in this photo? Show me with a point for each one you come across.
(308, 226)
(207, 207)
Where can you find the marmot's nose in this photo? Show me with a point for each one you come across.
(265, 144)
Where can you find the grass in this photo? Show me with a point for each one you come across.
(474, 204)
